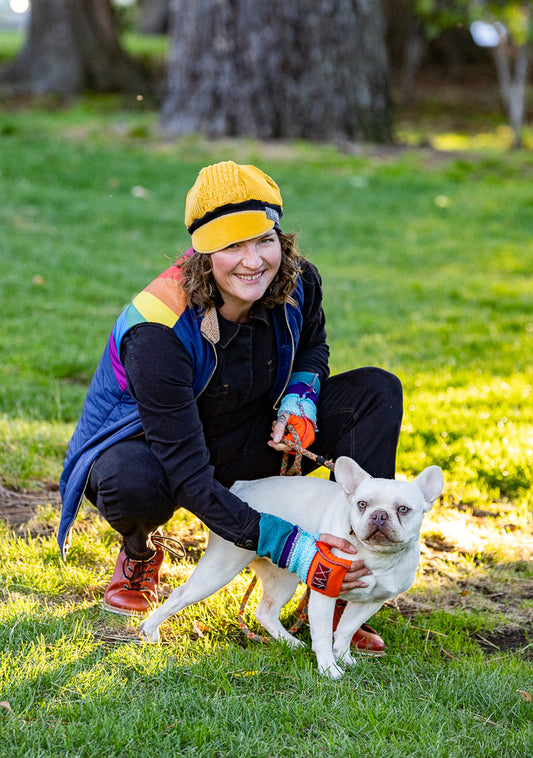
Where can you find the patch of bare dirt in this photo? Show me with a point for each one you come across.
(507, 639)
(17, 508)
(37, 513)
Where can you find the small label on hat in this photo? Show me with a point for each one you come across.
(272, 214)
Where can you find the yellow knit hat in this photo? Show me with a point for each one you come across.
(231, 203)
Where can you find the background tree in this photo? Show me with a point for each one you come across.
(279, 69)
(153, 16)
(73, 45)
(415, 26)
(507, 28)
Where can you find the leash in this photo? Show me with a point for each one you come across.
(286, 470)
(250, 635)
(302, 618)
(298, 452)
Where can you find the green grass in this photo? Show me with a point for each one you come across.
(78, 682)
(11, 42)
(152, 47)
(426, 264)
(426, 260)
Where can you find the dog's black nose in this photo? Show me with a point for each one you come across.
(379, 517)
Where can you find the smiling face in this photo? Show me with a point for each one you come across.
(244, 271)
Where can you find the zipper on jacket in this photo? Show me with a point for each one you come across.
(214, 367)
(276, 404)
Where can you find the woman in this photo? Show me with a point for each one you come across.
(184, 400)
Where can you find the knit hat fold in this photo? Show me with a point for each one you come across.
(231, 203)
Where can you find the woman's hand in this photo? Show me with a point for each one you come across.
(278, 432)
(352, 579)
(302, 432)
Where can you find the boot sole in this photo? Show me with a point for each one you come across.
(124, 611)
(373, 653)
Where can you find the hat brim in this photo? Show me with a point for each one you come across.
(229, 229)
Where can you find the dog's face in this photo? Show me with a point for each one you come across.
(386, 514)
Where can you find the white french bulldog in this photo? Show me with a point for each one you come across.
(381, 517)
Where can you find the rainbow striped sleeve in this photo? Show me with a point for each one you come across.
(161, 302)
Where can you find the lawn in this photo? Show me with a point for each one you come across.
(426, 258)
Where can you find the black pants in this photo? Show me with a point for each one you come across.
(359, 415)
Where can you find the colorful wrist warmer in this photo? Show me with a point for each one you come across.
(301, 396)
(290, 547)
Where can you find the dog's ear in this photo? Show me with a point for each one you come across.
(349, 474)
(431, 484)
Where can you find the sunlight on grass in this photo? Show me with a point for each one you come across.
(89, 677)
(443, 426)
(499, 139)
(501, 535)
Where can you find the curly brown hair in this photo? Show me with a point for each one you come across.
(198, 282)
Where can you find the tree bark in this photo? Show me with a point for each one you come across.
(512, 84)
(153, 16)
(298, 69)
(72, 46)
(416, 46)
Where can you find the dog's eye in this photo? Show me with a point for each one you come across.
(362, 504)
(403, 509)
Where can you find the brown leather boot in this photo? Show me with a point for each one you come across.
(133, 587)
(366, 640)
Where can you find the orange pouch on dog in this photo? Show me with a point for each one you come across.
(327, 571)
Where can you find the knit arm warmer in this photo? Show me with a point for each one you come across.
(299, 552)
(301, 396)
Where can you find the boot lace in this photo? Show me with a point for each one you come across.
(137, 572)
(175, 548)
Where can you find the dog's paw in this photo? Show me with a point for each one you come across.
(292, 642)
(149, 635)
(331, 670)
(347, 659)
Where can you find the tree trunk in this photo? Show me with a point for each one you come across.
(513, 84)
(299, 69)
(517, 99)
(72, 45)
(416, 46)
(153, 16)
